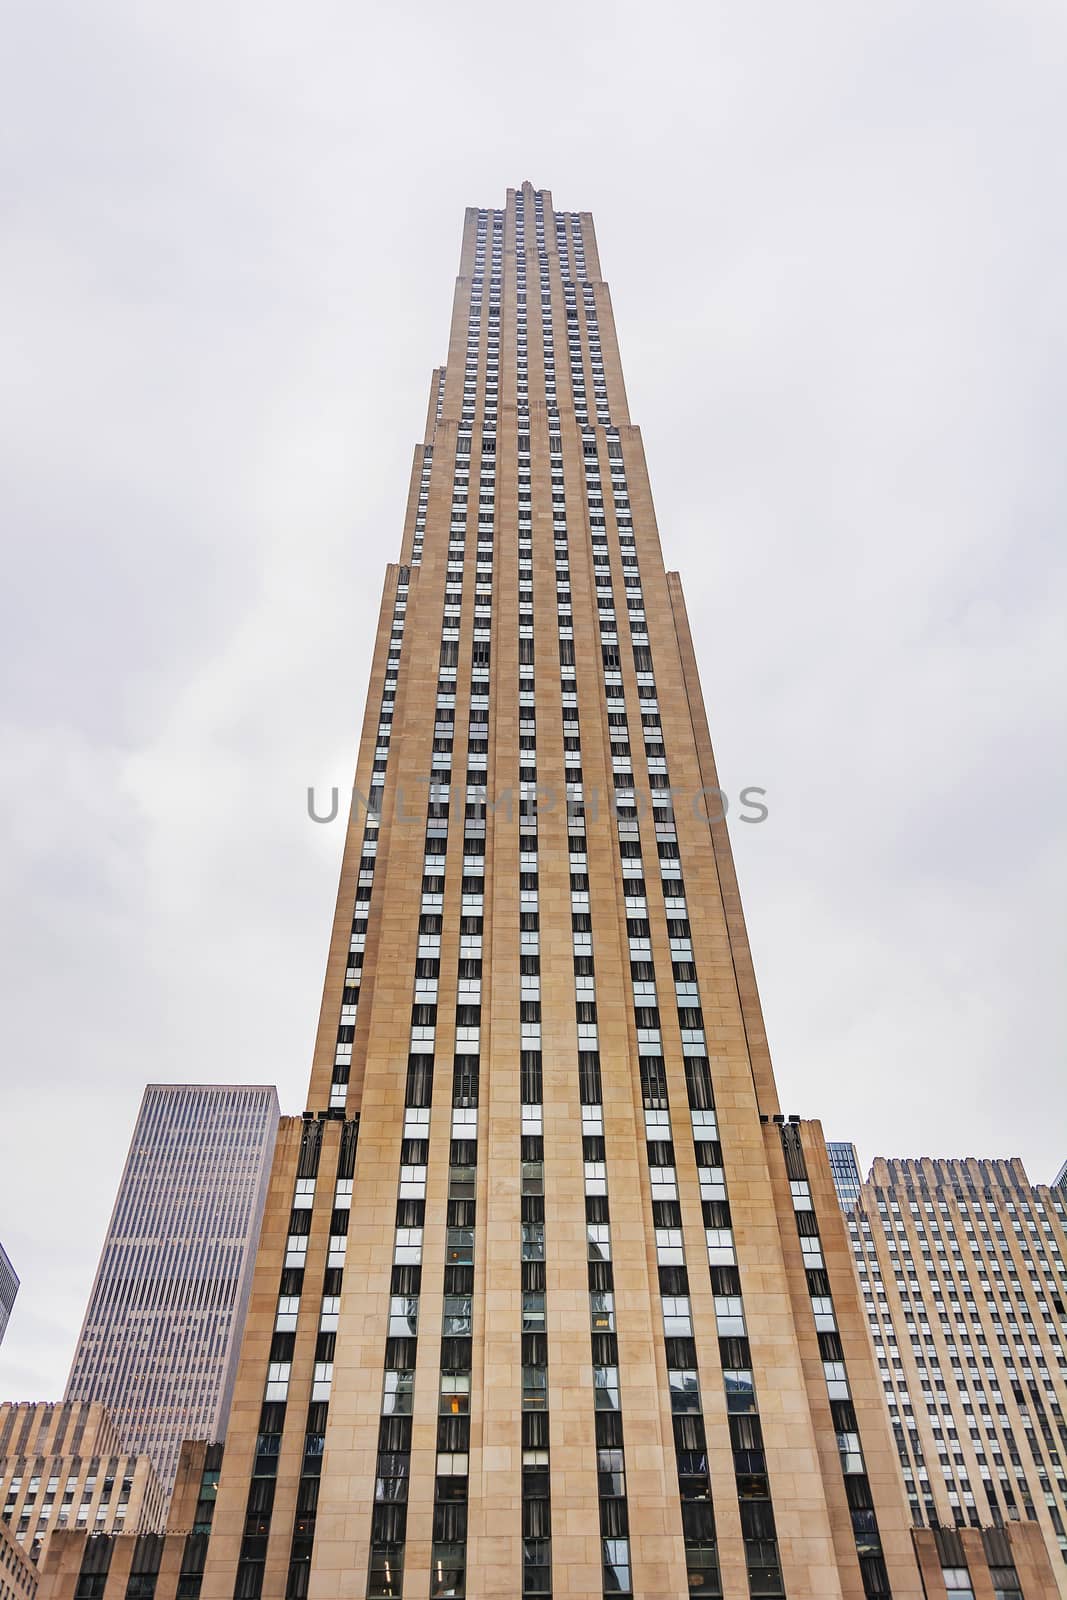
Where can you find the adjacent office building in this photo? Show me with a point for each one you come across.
(148, 1566)
(9, 1288)
(1060, 1180)
(963, 1267)
(18, 1574)
(65, 1467)
(161, 1334)
(845, 1168)
(551, 1299)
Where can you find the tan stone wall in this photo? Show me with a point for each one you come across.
(69, 1552)
(1025, 1548)
(18, 1575)
(60, 1441)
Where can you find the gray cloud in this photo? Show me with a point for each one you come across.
(835, 241)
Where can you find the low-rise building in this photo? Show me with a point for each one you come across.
(18, 1574)
(64, 1466)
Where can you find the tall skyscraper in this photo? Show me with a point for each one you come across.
(1060, 1180)
(579, 1338)
(963, 1266)
(845, 1167)
(9, 1288)
(161, 1335)
(550, 1298)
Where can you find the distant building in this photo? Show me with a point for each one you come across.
(65, 1466)
(9, 1288)
(845, 1169)
(1060, 1180)
(963, 1268)
(18, 1574)
(160, 1339)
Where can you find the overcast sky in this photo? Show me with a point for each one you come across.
(835, 238)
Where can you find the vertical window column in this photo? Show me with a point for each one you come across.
(536, 1495)
(857, 1486)
(449, 1538)
(752, 1484)
(389, 1522)
(368, 854)
(260, 1505)
(690, 1440)
(322, 1380)
(611, 1464)
(424, 494)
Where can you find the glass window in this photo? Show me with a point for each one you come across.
(617, 1566)
(386, 1574)
(460, 1247)
(677, 1322)
(461, 1183)
(447, 1570)
(533, 1177)
(740, 1392)
(958, 1582)
(685, 1391)
(602, 1311)
(533, 1241)
(606, 1388)
(457, 1315)
(398, 1393)
(455, 1396)
(599, 1236)
(533, 1312)
(403, 1316)
(534, 1388)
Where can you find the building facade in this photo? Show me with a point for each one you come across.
(964, 1564)
(571, 1343)
(963, 1267)
(550, 1298)
(65, 1467)
(151, 1566)
(594, 1329)
(162, 1331)
(18, 1574)
(9, 1288)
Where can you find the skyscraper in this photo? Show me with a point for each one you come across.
(550, 1298)
(963, 1266)
(9, 1288)
(162, 1331)
(567, 1345)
